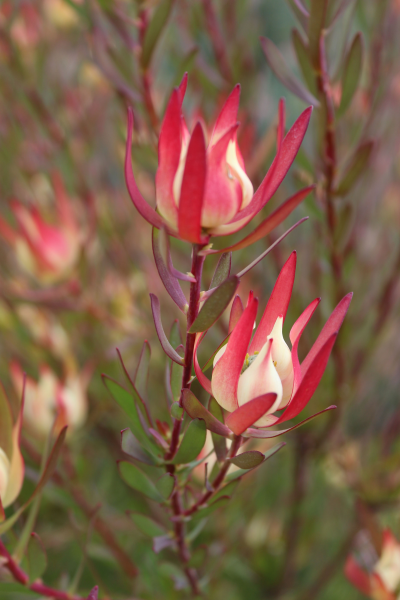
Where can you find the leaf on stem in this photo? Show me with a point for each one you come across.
(141, 376)
(222, 270)
(196, 410)
(165, 485)
(218, 440)
(208, 510)
(237, 474)
(154, 31)
(138, 481)
(352, 72)
(316, 25)
(192, 443)
(300, 11)
(37, 558)
(268, 434)
(165, 250)
(278, 65)
(303, 58)
(171, 284)
(166, 346)
(248, 460)
(131, 446)
(147, 525)
(215, 305)
(356, 166)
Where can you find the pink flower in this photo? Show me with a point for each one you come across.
(48, 252)
(202, 189)
(383, 581)
(12, 466)
(256, 376)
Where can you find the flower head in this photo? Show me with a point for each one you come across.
(202, 188)
(382, 582)
(250, 369)
(11, 462)
(48, 252)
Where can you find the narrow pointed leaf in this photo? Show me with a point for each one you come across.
(166, 346)
(248, 414)
(300, 12)
(131, 446)
(352, 72)
(236, 312)
(176, 380)
(165, 485)
(316, 25)
(355, 168)
(284, 74)
(142, 371)
(228, 490)
(137, 480)
(175, 336)
(196, 410)
(37, 558)
(215, 305)
(222, 270)
(218, 440)
(192, 443)
(165, 250)
(147, 525)
(208, 510)
(303, 58)
(94, 593)
(171, 284)
(248, 460)
(265, 434)
(264, 254)
(154, 30)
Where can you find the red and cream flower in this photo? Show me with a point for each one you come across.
(12, 466)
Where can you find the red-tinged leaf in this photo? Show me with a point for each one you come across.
(94, 593)
(171, 284)
(236, 312)
(332, 325)
(140, 203)
(227, 371)
(335, 9)
(248, 460)
(165, 250)
(141, 376)
(355, 168)
(154, 31)
(264, 434)
(222, 270)
(284, 74)
(309, 382)
(161, 542)
(277, 304)
(264, 254)
(248, 414)
(203, 380)
(295, 336)
(6, 424)
(215, 305)
(182, 88)
(316, 25)
(228, 115)
(166, 346)
(357, 576)
(192, 191)
(300, 12)
(131, 446)
(352, 72)
(281, 123)
(196, 410)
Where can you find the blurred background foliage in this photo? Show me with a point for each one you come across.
(68, 71)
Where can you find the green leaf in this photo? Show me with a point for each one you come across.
(131, 446)
(37, 558)
(192, 443)
(284, 74)
(222, 270)
(303, 58)
(248, 460)
(6, 424)
(154, 30)
(142, 370)
(208, 510)
(175, 336)
(218, 440)
(355, 168)
(176, 411)
(352, 72)
(165, 485)
(300, 12)
(176, 380)
(146, 525)
(316, 25)
(215, 305)
(137, 480)
(228, 490)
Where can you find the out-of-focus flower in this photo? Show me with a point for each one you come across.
(202, 188)
(50, 402)
(11, 462)
(48, 252)
(45, 329)
(383, 581)
(247, 370)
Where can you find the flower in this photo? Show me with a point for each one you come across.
(11, 462)
(203, 189)
(48, 252)
(262, 375)
(383, 581)
(50, 402)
